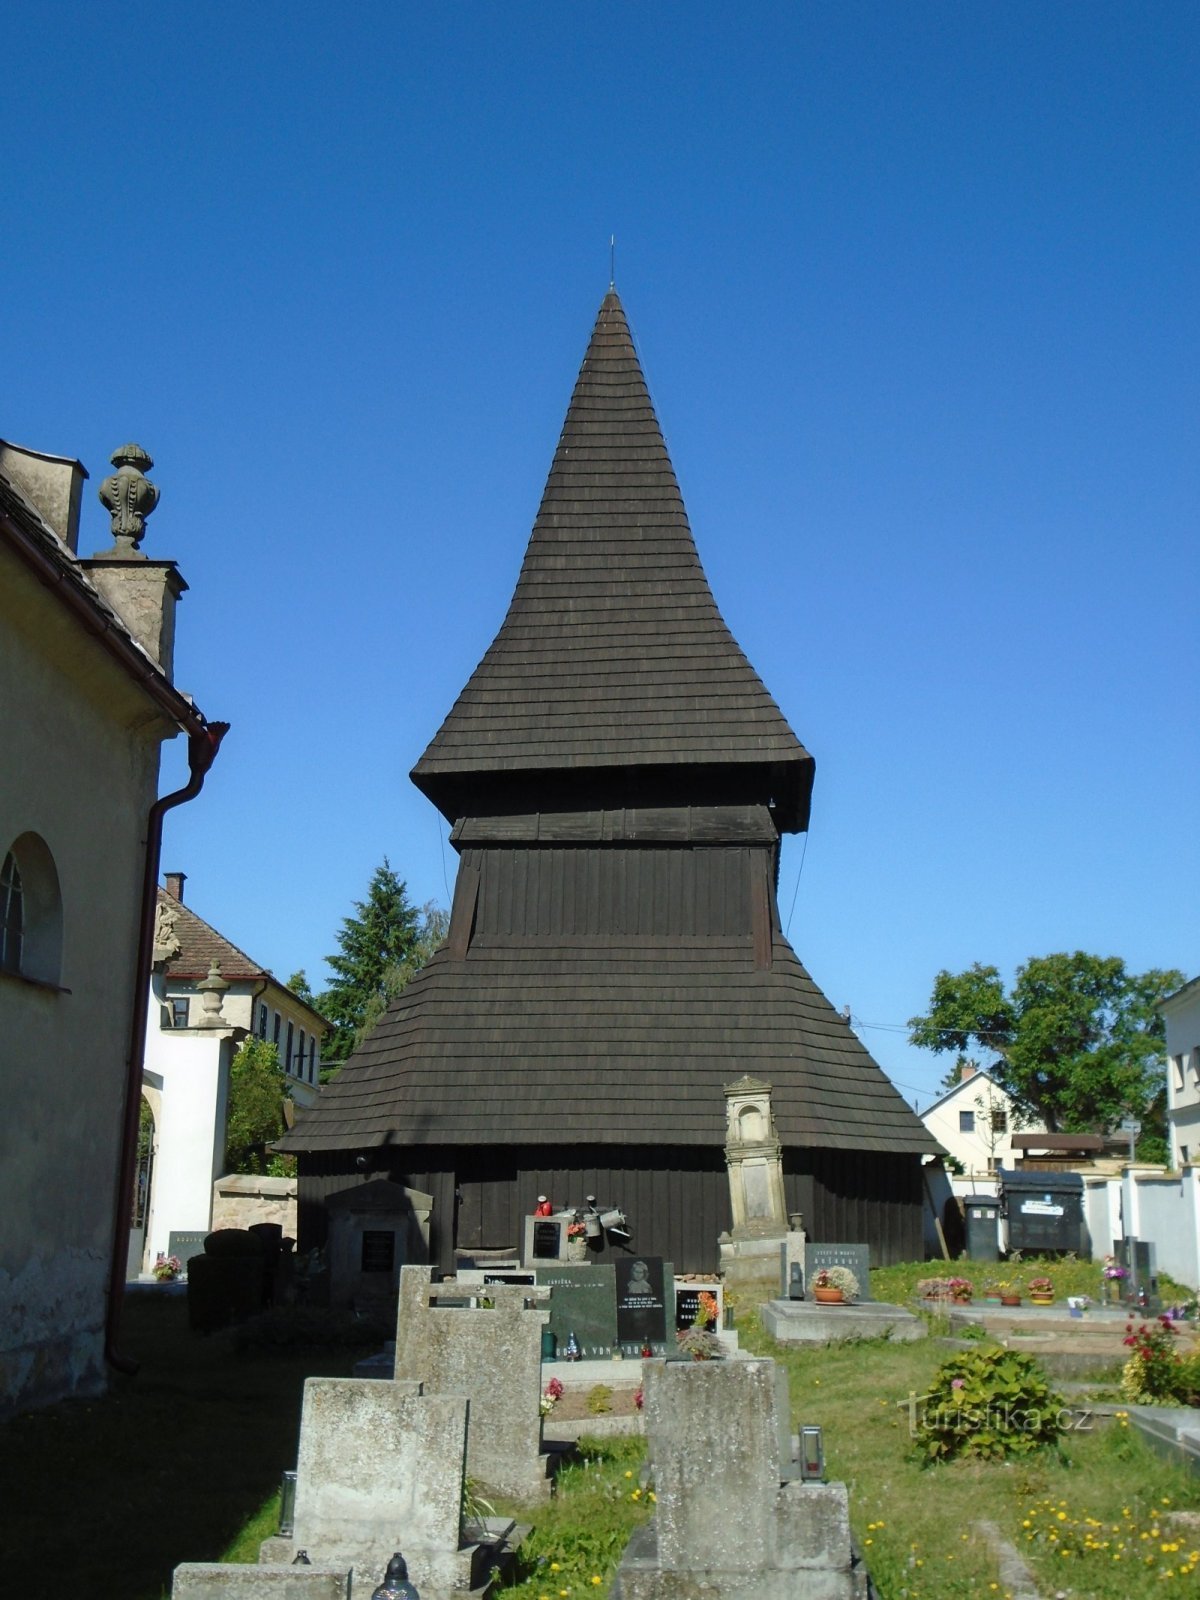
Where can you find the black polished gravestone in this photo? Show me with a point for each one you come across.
(855, 1256)
(547, 1238)
(641, 1303)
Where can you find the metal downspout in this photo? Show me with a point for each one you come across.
(203, 744)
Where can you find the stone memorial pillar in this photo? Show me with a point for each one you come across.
(753, 1157)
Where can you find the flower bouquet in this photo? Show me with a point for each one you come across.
(551, 1395)
(167, 1268)
(833, 1284)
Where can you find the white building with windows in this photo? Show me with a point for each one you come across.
(1181, 1014)
(207, 995)
(974, 1123)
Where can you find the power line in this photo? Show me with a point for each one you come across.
(796, 890)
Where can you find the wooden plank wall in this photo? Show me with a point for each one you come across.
(859, 1197)
(614, 890)
(677, 1201)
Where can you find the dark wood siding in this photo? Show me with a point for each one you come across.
(859, 1197)
(677, 1200)
(616, 891)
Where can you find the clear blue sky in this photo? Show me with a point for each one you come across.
(915, 288)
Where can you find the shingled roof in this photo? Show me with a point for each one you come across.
(613, 653)
(630, 1041)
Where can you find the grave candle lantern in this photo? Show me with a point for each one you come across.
(395, 1585)
(812, 1455)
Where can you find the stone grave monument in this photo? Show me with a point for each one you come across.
(733, 1519)
(754, 1161)
(380, 1469)
(374, 1229)
(490, 1354)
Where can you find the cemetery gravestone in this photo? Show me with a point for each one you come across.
(583, 1302)
(855, 1256)
(493, 1356)
(547, 1238)
(185, 1246)
(732, 1520)
(641, 1303)
(380, 1468)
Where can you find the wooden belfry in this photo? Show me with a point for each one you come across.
(618, 779)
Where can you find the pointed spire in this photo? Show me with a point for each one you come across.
(613, 655)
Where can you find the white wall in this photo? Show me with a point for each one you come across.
(192, 1069)
(1149, 1204)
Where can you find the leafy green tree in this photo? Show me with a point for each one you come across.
(254, 1117)
(1077, 1041)
(382, 947)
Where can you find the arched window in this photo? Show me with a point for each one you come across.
(30, 911)
(12, 915)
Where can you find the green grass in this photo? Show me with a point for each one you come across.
(167, 1467)
(912, 1521)
(899, 1284)
(580, 1534)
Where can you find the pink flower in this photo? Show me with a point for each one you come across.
(958, 1383)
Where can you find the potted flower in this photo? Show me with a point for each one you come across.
(960, 1290)
(835, 1286)
(167, 1268)
(934, 1288)
(1041, 1291)
(1010, 1291)
(576, 1242)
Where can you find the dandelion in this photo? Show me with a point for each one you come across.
(596, 1578)
(629, 1474)
(652, 1496)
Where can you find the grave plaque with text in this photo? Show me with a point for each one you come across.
(547, 1239)
(641, 1302)
(855, 1256)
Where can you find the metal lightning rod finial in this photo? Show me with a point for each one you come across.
(612, 261)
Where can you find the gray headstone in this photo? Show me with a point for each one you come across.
(855, 1256)
(715, 1430)
(380, 1468)
(493, 1356)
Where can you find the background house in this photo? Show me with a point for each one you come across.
(86, 699)
(1181, 1013)
(975, 1122)
(207, 995)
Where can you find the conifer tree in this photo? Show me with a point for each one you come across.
(380, 936)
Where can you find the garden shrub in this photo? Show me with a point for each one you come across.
(989, 1404)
